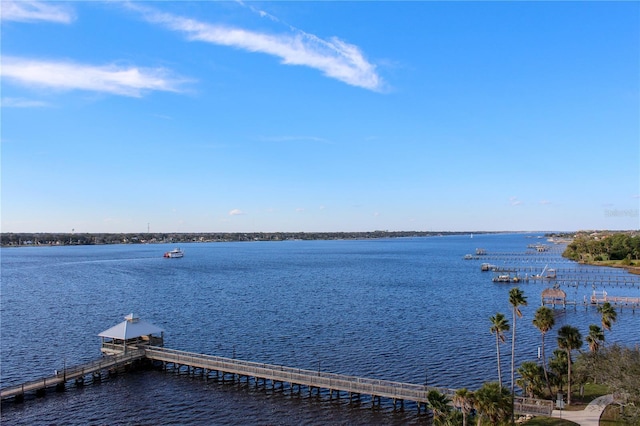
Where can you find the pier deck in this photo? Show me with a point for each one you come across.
(295, 376)
(376, 388)
(620, 303)
(72, 373)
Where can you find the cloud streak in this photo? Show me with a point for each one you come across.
(33, 11)
(311, 139)
(334, 57)
(514, 201)
(22, 103)
(120, 80)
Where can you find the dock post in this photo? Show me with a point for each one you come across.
(373, 401)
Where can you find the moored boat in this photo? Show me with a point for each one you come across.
(487, 267)
(174, 253)
(506, 278)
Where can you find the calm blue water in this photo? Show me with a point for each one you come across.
(399, 309)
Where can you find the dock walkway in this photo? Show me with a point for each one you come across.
(76, 373)
(207, 364)
(337, 383)
(295, 376)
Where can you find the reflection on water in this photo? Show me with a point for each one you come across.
(402, 309)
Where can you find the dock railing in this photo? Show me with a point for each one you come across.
(279, 373)
(539, 407)
(320, 379)
(72, 373)
(275, 373)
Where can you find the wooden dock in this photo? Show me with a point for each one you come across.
(556, 297)
(94, 369)
(616, 301)
(312, 380)
(570, 277)
(206, 365)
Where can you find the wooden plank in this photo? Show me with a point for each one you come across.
(72, 373)
(319, 379)
(276, 373)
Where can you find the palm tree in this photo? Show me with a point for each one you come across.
(569, 338)
(609, 315)
(595, 338)
(494, 403)
(558, 368)
(439, 404)
(516, 299)
(464, 399)
(530, 381)
(499, 324)
(544, 321)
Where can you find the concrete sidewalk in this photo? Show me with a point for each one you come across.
(590, 416)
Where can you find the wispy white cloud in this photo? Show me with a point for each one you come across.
(33, 11)
(545, 202)
(115, 79)
(514, 201)
(236, 212)
(22, 103)
(334, 57)
(295, 139)
(262, 13)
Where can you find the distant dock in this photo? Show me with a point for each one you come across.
(557, 297)
(545, 264)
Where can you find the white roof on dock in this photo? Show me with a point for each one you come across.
(131, 328)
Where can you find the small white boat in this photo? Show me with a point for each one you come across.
(506, 279)
(174, 253)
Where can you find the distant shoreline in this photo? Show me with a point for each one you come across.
(25, 239)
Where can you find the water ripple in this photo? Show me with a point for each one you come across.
(407, 310)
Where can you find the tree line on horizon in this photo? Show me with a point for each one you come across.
(58, 239)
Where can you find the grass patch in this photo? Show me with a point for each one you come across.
(633, 266)
(548, 421)
(611, 417)
(591, 392)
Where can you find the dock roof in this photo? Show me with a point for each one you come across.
(131, 328)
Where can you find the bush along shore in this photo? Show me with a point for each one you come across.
(606, 248)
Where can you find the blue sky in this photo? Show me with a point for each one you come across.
(320, 116)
